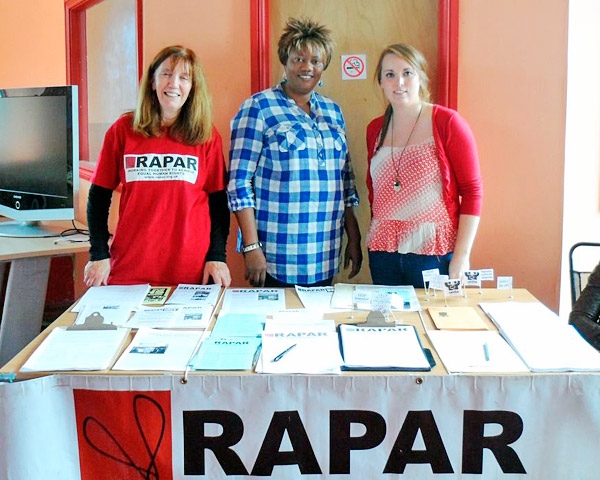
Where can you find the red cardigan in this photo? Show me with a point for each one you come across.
(459, 161)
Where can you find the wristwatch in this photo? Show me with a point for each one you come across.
(251, 246)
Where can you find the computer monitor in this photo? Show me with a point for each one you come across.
(39, 159)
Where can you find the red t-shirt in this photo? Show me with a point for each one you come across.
(163, 231)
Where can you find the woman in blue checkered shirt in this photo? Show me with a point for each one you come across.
(291, 183)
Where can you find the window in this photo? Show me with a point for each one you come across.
(103, 58)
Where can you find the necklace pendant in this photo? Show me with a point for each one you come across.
(397, 186)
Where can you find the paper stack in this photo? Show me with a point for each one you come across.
(300, 347)
(541, 338)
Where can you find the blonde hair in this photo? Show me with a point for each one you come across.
(195, 121)
(301, 33)
(418, 62)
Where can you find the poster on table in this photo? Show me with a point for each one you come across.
(214, 427)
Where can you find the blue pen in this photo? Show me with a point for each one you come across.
(280, 356)
(8, 377)
(486, 352)
(256, 355)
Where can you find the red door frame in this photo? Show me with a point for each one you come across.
(447, 49)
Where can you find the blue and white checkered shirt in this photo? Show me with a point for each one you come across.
(295, 171)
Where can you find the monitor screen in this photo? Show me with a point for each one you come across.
(39, 158)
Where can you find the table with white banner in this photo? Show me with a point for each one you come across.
(359, 425)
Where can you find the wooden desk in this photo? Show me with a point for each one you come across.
(473, 297)
(29, 260)
(224, 425)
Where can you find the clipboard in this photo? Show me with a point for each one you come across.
(361, 344)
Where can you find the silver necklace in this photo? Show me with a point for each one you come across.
(397, 184)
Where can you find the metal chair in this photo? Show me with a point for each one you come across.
(583, 258)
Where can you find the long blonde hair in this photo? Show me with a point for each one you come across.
(195, 120)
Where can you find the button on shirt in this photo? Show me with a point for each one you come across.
(295, 171)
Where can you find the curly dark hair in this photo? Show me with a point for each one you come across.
(305, 32)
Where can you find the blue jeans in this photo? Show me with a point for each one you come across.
(392, 268)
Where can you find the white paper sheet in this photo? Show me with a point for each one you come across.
(239, 325)
(112, 295)
(360, 297)
(475, 351)
(153, 349)
(109, 314)
(191, 294)
(541, 338)
(227, 353)
(253, 300)
(155, 317)
(65, 349)
(307, 347)
(194, 316)
(317, 298)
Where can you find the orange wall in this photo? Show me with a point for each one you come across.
(512, 90)
(219, 33)
(32, 43)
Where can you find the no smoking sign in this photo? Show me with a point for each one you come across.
(354, 67)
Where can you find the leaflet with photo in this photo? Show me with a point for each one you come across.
(113, 295)
(191, 294)
(362, 297)
(154, 349)
(157, 295)
(194, 316)
(253, 300)
(155, 317)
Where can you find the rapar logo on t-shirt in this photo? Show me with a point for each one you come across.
(159, 167)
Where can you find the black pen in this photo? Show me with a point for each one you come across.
(280, 356)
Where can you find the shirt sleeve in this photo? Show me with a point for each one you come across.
(373, 132)
(461, 151)
(245, 151)
(350, 193)
(98, 206)
(219, 226)
(107, 171)
(215, 163)
(349, 179)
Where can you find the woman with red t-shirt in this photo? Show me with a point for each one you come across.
(424, 180)
(168, 158)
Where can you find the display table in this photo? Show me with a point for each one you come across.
(29, 260)
(359, 425)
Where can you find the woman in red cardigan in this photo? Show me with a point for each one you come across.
(423, 178)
